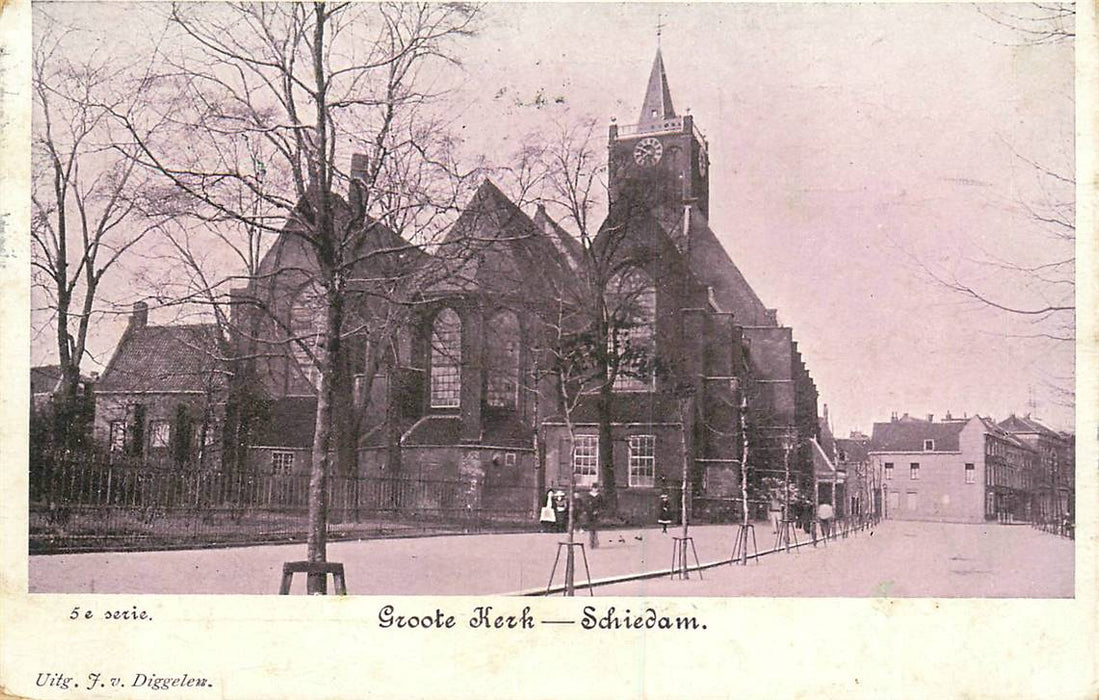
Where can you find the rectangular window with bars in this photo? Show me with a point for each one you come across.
(282, 463)
(970, 473)
(585, 459)
(914, 471)
(888, 470)
(642, 460)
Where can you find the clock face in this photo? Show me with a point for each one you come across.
(703, 161)
(648, 151)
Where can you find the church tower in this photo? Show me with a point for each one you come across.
(662, 159)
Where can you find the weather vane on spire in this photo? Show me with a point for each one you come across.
(659, 27)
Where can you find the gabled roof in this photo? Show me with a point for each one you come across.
(1026, 424)
(907, 435)
(494, 245)
(45, 378)
(853, 450)
(153, 359)
(657, 105)
(823, 466)
(565, 243)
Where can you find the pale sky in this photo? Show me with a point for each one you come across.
(849, 145)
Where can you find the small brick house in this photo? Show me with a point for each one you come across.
(162, 396)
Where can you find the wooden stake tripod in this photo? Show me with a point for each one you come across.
(740, 546)
(680, 568)
(786, 530)
(570, 566)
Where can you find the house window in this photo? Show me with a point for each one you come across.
(585, 459)
(446, 360)
(914, 471)
(118, 436)
(160, 433)
(888, 470)
(913, 501)
(282, 463)
(928, 445)
(970, 473)
(642, 460)
(631, 302)
(502, 356)
(509, 459)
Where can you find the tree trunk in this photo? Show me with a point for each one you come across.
(317, 541)
(607, 482)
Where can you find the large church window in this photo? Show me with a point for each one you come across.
(631, 305)
(502, 354)
(305, 333)
(446, 360)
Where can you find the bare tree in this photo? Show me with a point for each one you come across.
(611, 305)
(85, 193)
(310, 84)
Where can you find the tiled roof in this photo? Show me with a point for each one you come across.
(908, 435)
(44, 379)
(153, 359)
(1026, 424)
(853, 450)
(290, 423)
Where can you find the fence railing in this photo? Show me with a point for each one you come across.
(89, 504)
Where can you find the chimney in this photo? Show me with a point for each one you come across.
(359, 166)
(930, 417)
(893, 417)
(948, 416)
(140, 316)
(826, 416)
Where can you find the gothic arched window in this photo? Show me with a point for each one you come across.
(631, 305)
(502, 360)
(305, 332)
(446, 360)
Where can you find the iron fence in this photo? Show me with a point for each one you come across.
(80, 503)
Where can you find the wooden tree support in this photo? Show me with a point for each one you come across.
(570, 566)
(740, 546)
(680, 568)
(787, 531)
(311, 568)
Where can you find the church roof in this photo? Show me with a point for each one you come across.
(493, 244)
(714, 268)
(657, 105)
(562, 240)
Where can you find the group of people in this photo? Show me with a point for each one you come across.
(554, 516)
(585, 508)
(803, 516)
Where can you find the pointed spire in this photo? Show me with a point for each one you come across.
(658, 99)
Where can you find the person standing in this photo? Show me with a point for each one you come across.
(825, 513)
(665, 513)
(775, 511)
(595, 498)
(548, 518)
